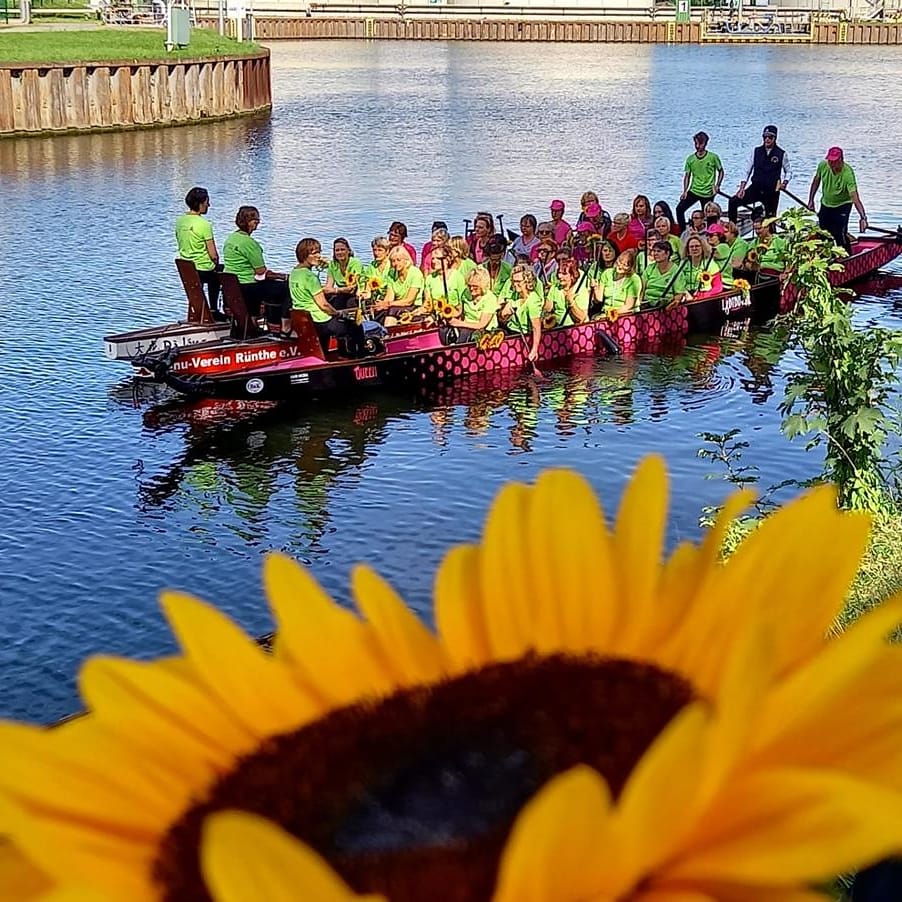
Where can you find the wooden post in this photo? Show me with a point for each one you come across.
(25, 12)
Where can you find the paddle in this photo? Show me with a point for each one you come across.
(896, 233)
(536, 372)
(671, 283)
(797, 199)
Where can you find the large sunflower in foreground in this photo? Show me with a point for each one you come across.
(587, 724)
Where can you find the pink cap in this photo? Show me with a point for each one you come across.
(557, 205)
(834, 154)
(716, 229)
(593, 209)
(585, 227)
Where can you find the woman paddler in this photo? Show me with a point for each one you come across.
(498, 268)
(522, 312)
(405, 290)
(443, 283)
(641, 218)
(343, 274)
(570, 296)
(723, 255)
(663, 282)
(619, 288)
(700, 264)
(462, 258)
(260, 287)
(307, 294)
(480, 307)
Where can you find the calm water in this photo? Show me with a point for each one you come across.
(105, 496)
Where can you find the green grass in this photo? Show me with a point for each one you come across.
(108, 43)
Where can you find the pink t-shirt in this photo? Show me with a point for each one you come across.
(637, 228)
(412, 251)
(561, 231)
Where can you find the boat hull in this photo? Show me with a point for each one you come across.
(128, 345)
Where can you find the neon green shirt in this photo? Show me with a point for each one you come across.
(703, 173)
(498, 284)
(561, 308)
(466, 266)
(303, 285)
(192, 232)
(836, 187)
(355, 268)
(617, 291)
(401, 287)
(723, 257)
(662, 287)
(435, 286)
(525, 310)
(473, 310)
(693, 273)
(738, 249)
(241, 256)
(774, 255)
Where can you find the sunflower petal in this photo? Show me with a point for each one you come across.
(258, 690)
(245, 858)
(414, 653)
(459, 612)
(561, 845)
(328, 646)
(20, 878)
(806, 826)
(576, 603)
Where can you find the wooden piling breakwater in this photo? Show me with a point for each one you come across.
(659, 31)
(40, 98)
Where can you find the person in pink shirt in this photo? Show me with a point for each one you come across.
(397, 234)
(562, 228)
(640, 219)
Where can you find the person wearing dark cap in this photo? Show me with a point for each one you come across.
(839, 190)
(702, 176)
(766, 174)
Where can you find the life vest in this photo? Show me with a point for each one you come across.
(768, 166)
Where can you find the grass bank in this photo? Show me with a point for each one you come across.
(111, 43)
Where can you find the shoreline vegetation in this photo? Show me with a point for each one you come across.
(112, 43)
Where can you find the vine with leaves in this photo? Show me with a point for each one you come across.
(843, 398)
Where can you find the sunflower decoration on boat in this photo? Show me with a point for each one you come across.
(375, 285)
(446, 310)
(565, 733)
(351, 278)
(549, 321)
(612, 314)
(705, 279)
(751, 259)
(743, 287)
(405, 318)
(489, 340)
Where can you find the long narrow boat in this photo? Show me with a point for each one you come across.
(416, 357)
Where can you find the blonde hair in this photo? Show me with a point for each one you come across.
(529, 276)
(381, 241)
(713, 209)
(399, 254)
(588, 197)
(459, 244)
(706, 248)
(481, 277)
(630, 256)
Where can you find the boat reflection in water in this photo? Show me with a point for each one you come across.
(264, 471)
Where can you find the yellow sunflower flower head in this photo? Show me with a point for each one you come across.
(628, 727)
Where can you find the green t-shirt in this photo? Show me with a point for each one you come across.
(703, 173)
(618, 291)
(559, 301)
(774, 255)
(662, 287)
(466, 266)
(499, 283)
(738, 250)
(401, 287)
(303, 285)
(435, 286)
(723, 257)
(473, 310)
(192, 232)
(836, 187)
(355, 268)
(241, 256)
(693, 273)
(525, 310)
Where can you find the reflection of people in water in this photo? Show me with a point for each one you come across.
(523, 404)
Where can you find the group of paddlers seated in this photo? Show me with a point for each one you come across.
(476, 284)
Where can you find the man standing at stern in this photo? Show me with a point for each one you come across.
(769, 171)
(839, 191)
(702, 176)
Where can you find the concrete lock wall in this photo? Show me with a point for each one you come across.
(61, 97)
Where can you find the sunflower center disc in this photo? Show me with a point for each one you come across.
(414, 795)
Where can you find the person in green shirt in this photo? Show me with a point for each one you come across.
(498, 269)
(307, 294)
(570, 296)
(723, 254)
(443, 283)
(260, 287)
(619, 290)
(194, 237)
(702, 176)
(522, 312)
(738, 246)
(663, 283)
(839, 190)
(480, 308)
(700, 266)
(404, 296)
(343, 275)
(770, 249)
